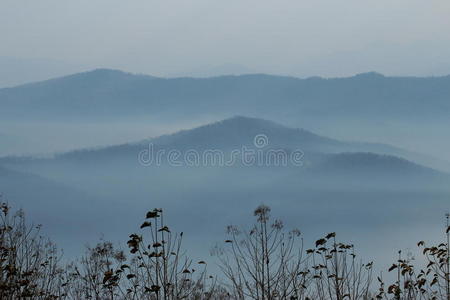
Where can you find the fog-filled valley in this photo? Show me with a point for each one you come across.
(376, 191)
(89, 154)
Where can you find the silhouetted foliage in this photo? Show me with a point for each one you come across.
(429, 282)
(264, 262)
(29, 263)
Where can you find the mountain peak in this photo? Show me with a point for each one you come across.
(101, 72)
(93, 78)
(105, 71)
(247, 122)
(239, 131)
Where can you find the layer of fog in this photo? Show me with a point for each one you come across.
(79, 202)
(84, 203)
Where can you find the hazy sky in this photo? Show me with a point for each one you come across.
(295, 37)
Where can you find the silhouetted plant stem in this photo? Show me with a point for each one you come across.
(447, 275)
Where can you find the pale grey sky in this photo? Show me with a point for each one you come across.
(293, 37)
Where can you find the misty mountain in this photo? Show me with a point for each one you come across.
(229, 134)
(327, 155)
(241, 131)
(237, 132)
(108, 93)
(234, 133)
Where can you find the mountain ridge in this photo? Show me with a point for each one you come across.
(117, 72)
(111, 93)
(229, 134)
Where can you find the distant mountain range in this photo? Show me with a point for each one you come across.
(107, 93)
(320, 153)
(235, 132)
